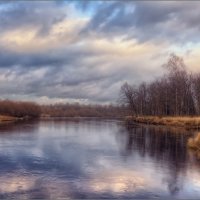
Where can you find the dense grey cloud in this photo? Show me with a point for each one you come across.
(176, 21)
(84, 51)
(31, 13)
(56, 57)
(74, 80)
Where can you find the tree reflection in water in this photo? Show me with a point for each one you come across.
(166, 146)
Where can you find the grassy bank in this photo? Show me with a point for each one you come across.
(5, 119)
(186, 122)
(194, 143)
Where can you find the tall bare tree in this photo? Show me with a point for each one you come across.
(176, 93)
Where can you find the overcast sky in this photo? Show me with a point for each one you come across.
(83, 51)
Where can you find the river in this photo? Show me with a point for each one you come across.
(95, 159)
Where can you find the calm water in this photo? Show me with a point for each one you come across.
(95, 159)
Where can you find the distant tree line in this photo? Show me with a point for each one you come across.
(177, 93)
(19, 109)
(78, 110)
(33, 110)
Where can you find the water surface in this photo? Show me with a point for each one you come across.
(92, 158)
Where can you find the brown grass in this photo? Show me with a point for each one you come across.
(5, 118)
(194, 143)
(186, 122)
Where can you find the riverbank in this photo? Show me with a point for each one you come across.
(184, 122)
(194, 143)
(7, 119)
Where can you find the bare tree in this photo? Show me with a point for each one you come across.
(176, 93)
(196, 91)
(128, 96)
